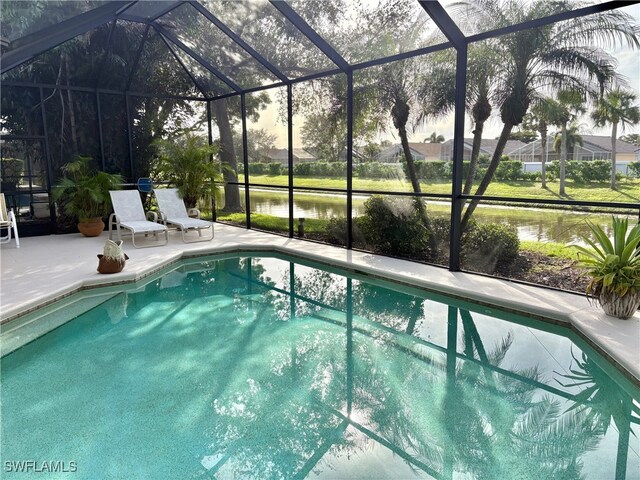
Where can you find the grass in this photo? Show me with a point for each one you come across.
(550, 249)
(628, 189)
(274, 224)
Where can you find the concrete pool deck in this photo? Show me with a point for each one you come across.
(47, 268)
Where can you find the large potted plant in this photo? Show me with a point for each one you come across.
(84, 194)
(185, 162)
(614, 267)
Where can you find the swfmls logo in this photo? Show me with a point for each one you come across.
(28, 466)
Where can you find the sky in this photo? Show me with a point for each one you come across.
(628, 66)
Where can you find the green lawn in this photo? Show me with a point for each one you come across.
(628, 189)
(550, 249)
(274, 224)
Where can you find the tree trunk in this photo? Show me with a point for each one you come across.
(413, 176)
(410, 164)
(614, 134)
(491, 170)
(228, 157)
(563, 159)
(475, 154)
(72, 114)
(543, 140)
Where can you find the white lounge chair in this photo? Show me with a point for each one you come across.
(129, 214)
(8, 221)
(173, 212)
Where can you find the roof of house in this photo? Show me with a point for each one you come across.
(283, 154)
(597, 143)
(604, 143)
(429, 150)
(488, 145)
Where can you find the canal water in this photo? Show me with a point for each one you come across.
(536, 224)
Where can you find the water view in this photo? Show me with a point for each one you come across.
(535, 224)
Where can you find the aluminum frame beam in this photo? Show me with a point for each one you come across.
(559, 17)
(239, 41)
(291, 15)
(198, 58)
(50, 37)
(444, 22)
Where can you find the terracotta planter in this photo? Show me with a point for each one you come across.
(620, 307)
(91, 227)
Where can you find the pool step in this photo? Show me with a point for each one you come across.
(27, 328)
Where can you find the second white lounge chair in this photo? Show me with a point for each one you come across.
(173, 211)
(8, 221)
(129, 214)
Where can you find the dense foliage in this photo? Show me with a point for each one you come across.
(84, 190)
(186, 163)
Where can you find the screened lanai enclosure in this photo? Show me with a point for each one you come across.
(381, 125)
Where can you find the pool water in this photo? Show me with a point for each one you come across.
(257, 367)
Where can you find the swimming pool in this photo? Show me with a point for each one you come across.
(262, 367)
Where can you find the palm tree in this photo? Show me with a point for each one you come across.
(616, 108)
(539, 118)
(573, 138)
(571, 103)
(397, 89)
(553, 57)
(434, 138)
(437, 94)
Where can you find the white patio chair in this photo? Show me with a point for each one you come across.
(8, 221)
(129, 214)
(173, 212)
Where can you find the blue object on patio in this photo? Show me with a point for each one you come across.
(145, 185)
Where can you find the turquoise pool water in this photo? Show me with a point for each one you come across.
(260, 368)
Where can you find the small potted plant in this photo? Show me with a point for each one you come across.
(84, 192)
(614, 267)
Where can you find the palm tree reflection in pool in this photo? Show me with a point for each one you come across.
(326, 397)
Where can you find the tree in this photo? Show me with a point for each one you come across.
(183, 162)
(324, 135)
(398, 90)
(571, 104)
(524, 135)
(616, 108)
(553, 57)
(542, 114)
(438, 94)
(434, 138)
(632, 138)
(573, 138)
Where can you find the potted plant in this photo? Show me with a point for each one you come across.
(614, 265)
(84, 192)
(185, 163)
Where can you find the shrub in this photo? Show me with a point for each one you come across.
(583, 171)
(275, 169)
(509, 170)
(634, 169)
(336, 231)
(589, 171)
(391, 226)
(490, 247)
(10, 173)
(376, 170)
(321, 169)
(431, 170)
(256, 168)
(596, 171)
(302, 169)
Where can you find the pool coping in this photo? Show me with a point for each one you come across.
(617, 340)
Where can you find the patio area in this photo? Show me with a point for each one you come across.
(49, 267)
